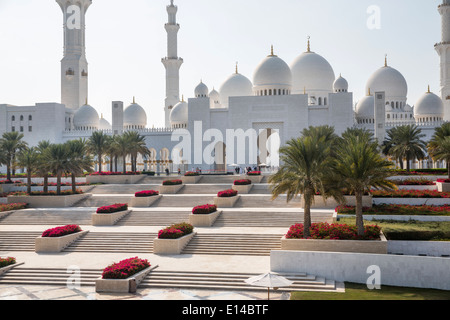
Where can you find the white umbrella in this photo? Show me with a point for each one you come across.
(233, 165)
(269, 280)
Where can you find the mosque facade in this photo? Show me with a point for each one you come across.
(243, 122)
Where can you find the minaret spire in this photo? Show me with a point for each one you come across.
(74, 66)
(172, 62)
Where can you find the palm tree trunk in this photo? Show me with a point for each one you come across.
(99, 162)
(408, 166)
(74, 183)
(124, 164)
(307, 214)
(28, 181)
(8, 172)
(58, 183)
(45, 183)
(448, 167)
(359, 213)
(115, 164)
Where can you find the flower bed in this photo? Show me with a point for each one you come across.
(227, 193)
(243, 182)
(172, 182)
(61, 231)
(176, 231)
(334, 231)
(204, 209)
(191, 174)
(110, 173)
(409, 194)
(46, 194)
(254, 173)
(443, 180)
(415, 182)
(113, 208)
(397, 209)
(4, 262)
(12, 206)
(125, 268)
(146, 193)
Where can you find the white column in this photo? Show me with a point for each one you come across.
(443, 49)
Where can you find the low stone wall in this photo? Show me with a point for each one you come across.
(245, 189)
(170, 189)
(255, 179)
(360, 246)
(49, 201)
(406, 271)
(191, 179)
(443, 187)
(122, 285)
(373, 217)
(226, 202)
(416, 248)
(415, 187)
(412, 201)
(119, 179)
(330, 203)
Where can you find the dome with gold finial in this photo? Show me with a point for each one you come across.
(134, 116)
(86, 118)
(429, 105)
(236, 85)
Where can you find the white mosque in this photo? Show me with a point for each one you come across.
(278, 102)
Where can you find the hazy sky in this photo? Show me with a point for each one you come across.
(126, 41)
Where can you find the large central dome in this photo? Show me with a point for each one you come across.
(390, 81)
(312, 73)
(236, 85)
(272, 74)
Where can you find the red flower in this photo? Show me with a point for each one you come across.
(172, 182)
(125, 268)
(204, 209)
(113, 208)
(146, 193)
(227, 193)
(61, 231)
(243, 182)
(334, 231)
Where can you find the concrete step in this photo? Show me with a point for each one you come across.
(18, 241)
(165, 279)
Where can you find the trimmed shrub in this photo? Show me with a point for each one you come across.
(113, 208)
(61, 231)
(125, 268)
(334, 231)
(172, 182)
(204, 209)
(243, 182)
(146, 193)
(227, 193)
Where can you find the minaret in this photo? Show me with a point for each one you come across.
(443, 49)
(172, 63)
(74, 66)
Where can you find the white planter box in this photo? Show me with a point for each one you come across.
(255, 179)
(226, 202)
(330, 203)
(417, 187)
(171, 246)
(443, 187)
(204, 220)
(144, 201)
(49, 201)
(128, 285)
(56, 244)
(108, 219)
(354, 246)
(245, 189)
(191, 179)
(119, 179)
(171, 189)
(7, 268)
(412, 201)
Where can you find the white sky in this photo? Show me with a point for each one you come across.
(126, 41)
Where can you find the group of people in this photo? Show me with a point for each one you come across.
(240, 170)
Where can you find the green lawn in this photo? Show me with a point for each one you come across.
(355, 291)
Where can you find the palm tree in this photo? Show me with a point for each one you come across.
(405, 143)
(10, 144)
(359, 167)
(122, 145)
(57, 158)
(305, 164)
(43, 168)
(439, 145)
(28, 159)
(79, 160)
(97, 145)
(137, 145)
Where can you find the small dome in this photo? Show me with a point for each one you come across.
(429, 105)
(366, 108)
(201, 91)
(86, 118)
(340, 85)
(236, 85)
(179, 114)
(313, 73)
(390, 81)
(134, 116)
(272, 73)
(214, 96)
(104, 124)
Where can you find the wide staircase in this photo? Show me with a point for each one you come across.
(253, 227)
